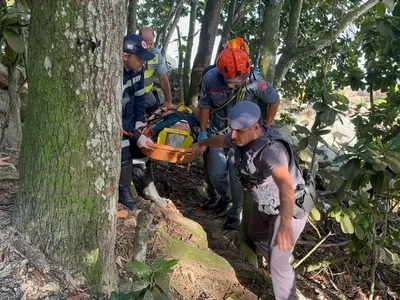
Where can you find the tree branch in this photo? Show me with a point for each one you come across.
(294, 20)
(291, 55)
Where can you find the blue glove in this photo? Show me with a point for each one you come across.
(202, 136)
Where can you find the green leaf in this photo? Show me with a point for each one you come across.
(320, 106)
(302, 144)
(140, 285)
(379, 164)
(137, 268)
(377, 181)
(346, 225)
(315, 214)
(351, 169)
(312, 141)
(328, 97)
(342, 158)
(162, 281)
(349, 212)
(342, 107)
(154, 294)
(357, 182)
(166, 266)
(380, 9)
(389, 174)
(385, 29)
(393, 163)
(359, 232)
(334, 212)
(14, 40)
(341, 98)
(322, 132)
(302, 129)
(120, 296)
(328, 117)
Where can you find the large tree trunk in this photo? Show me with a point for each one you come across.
(13, 132)
(270, 37)
(189, 46)
(206, 45)
(171, 28)
(290, 55)
(70, 154)
(132, 19)
(228, 24)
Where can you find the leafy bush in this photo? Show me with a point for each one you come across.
(150, 282)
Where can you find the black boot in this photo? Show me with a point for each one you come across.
(210, 204)
(144, 174)
(221, 206)
(124, 188)
(232, 224)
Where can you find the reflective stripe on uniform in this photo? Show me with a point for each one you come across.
(139, 92)
(125, 143)
(149, 72)
(131, 82)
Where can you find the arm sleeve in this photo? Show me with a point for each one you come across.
(264, 91)
(228, 141)
(204, 97)
(274, 157)
(162, 66)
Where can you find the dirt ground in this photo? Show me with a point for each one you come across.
(19, 279)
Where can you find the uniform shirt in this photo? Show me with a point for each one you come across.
(267, 161)
(215, 93)
(133, 103)
(161, 68)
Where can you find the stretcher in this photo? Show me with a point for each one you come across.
(159, 134)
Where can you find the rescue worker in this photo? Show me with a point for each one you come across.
(212, 195)
(230, 82)
(134, 57)
(281, 197)
(158, 65)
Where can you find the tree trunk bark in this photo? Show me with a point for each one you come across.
(171, 29)
(3, 4)
(290, 55)
(228, 24)
(161, 33)
(13, 133)
(206, 45)
(189, 46)
(270, 37)
(70, 153)
(132, 19)
(180, 67)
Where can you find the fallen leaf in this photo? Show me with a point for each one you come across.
(122, 214)
(348, 277)
(77, 297)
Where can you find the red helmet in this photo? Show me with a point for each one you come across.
(238, 43)
(233, 64)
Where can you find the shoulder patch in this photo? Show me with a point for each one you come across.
(262, 86)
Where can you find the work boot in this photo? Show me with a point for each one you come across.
(124, 188)
(232, 223)
(221, 206)
(210, 204)
(144, 175)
